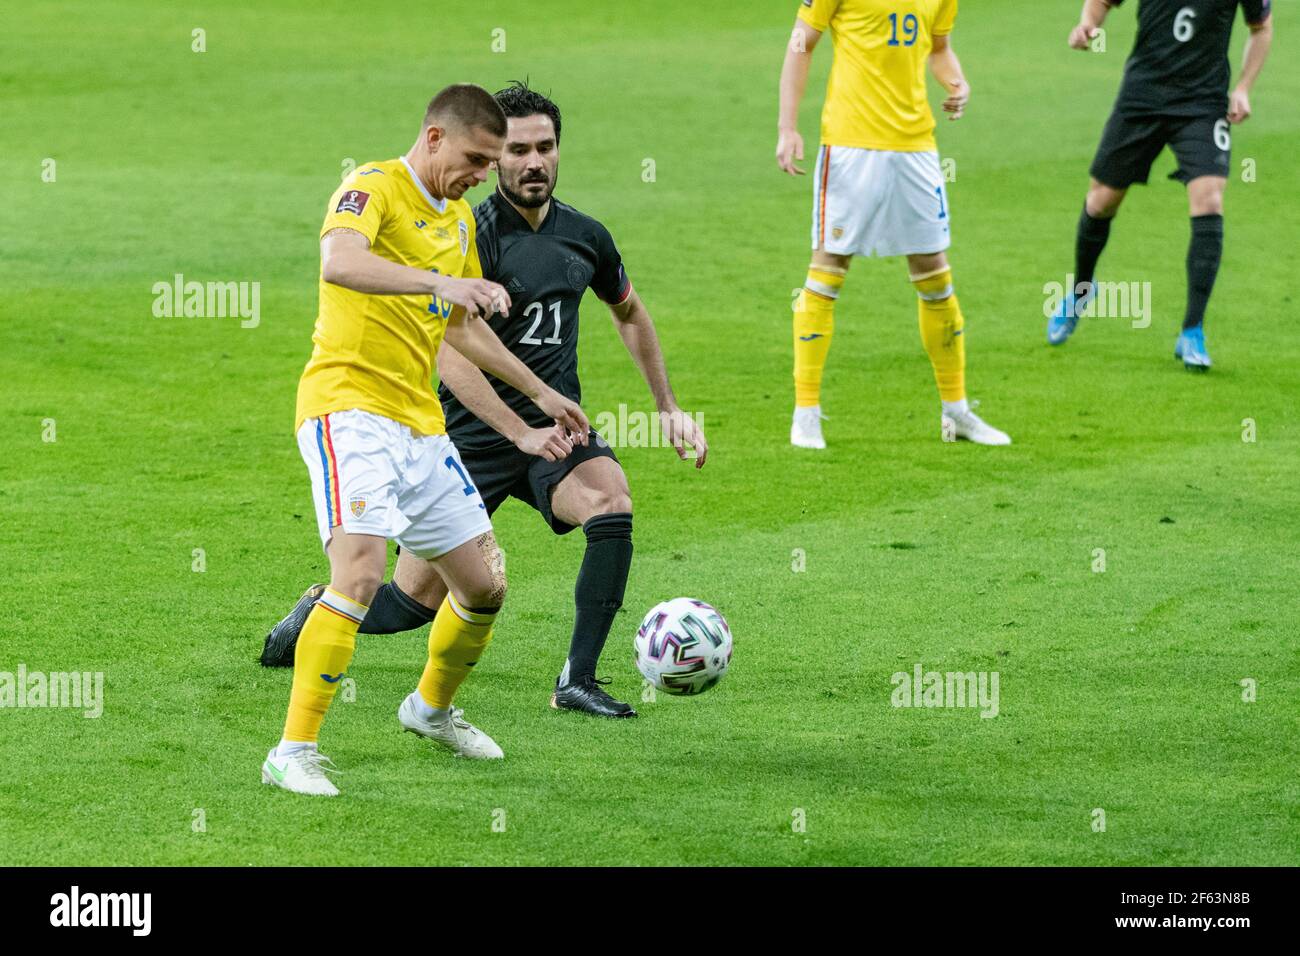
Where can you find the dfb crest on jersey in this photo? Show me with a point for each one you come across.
(578, 274)
(464, 238)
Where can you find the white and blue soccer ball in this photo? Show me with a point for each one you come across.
(683, 646)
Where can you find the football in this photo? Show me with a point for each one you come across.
(683, 646)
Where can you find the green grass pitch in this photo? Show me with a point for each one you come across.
(1120, 691)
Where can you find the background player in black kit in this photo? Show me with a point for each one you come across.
(1175, 93)
(546, 254)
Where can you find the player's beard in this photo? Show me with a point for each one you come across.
(528, 201)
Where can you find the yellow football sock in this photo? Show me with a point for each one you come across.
(322, 656)
(814, 321)
(941, 332)
(456, 641)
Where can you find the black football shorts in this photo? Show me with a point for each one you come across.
(1131, 143)
(504, 471)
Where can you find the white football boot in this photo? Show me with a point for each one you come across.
(806, 428)
(453, 732)
(301, 772)
(967, 426)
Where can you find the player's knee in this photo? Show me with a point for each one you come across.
(488, 590)
(487, 594)
(1103, 202)
(428, 592)
(611, 502)
(822, 260)
(359, 583)
(926, 264)
(1208, 204)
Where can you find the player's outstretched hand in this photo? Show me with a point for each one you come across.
(478, 297)
(1238, 106)
(789, 147)
(681, 430)
(567, 414)
(958, 97)
(1081, 37)
(550, 443)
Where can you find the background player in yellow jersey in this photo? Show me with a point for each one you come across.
(399, 271)
(878, 187)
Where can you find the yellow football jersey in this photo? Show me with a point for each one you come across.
(376, 352)
(876, 96)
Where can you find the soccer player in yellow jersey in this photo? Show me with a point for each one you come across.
(399, 272)
(878, 189)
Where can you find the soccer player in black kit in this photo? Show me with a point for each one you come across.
(1174, 93)
(546, 254)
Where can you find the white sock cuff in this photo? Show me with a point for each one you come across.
(821, 289)
(344, 605)
(289, 747)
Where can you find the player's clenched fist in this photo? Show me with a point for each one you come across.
(1081, 37)
(789, 147)
(477, 296)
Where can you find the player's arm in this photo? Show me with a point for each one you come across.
(794, 80)
(637, 330)
(473, 390)
(346, 260)
(946, 68)
(1258, 42)
(1090, 20)
(475, 341)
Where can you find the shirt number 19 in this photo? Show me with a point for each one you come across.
(911, 29)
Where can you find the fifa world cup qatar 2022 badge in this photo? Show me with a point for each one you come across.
(353, 201)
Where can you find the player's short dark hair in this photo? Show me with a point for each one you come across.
(518, 100)
(467, 105)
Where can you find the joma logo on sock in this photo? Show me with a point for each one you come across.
(923, 688)
(55, 689)
(1102, 300)
(103, 909)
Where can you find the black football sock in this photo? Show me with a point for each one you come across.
(394, 610)
(599, 592)
(1088, 244)
(1203, 255)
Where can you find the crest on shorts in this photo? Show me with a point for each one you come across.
(464, 238)
(358, 505)
(836, 232)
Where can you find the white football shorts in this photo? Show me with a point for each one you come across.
(872, 202)
(373, 475)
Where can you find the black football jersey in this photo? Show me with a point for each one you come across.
(1179, 64)
(545, 273)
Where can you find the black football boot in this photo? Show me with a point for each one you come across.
(587, 695)
(280, 643)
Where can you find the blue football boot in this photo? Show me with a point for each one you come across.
(1061, 325)
(1190, 347)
